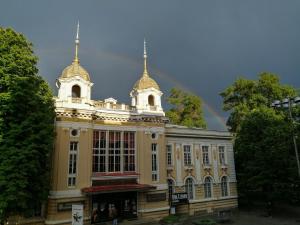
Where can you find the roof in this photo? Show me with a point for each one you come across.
(117, 188)
(145, 82)
(75, 69)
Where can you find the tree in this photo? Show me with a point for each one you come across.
(265, 158)
(26, 128)
(245, 95)
(186, 109)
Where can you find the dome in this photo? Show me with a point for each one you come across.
(75, 69)
(145, 82)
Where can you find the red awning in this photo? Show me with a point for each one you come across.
(117, 188)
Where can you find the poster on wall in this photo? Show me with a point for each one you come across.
(77, 214)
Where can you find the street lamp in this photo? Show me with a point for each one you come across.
(289, 103)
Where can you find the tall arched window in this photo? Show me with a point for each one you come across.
(189, 187)
(207, 187)
(75, 91)
(224, 186)
(170, 189)
(151, 100)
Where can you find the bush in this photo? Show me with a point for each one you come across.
(205, 222)
(170, 219)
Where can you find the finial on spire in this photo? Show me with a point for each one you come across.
(77, 44)
(145, 59)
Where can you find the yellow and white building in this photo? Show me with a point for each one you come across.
(108, 153)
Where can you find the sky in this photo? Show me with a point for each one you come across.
(202, 46)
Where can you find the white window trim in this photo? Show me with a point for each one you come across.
(212, 187)
(209, 155)
(228, 186)
(157, 163)
(77, 160)
(225, 154)
(194, 186)
(192, 155)
(172, 155)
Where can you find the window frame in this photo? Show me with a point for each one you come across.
(187, 158)
(226, 185)
(169, 151)
(73, 164)
(208, 187)
(224, 163)
(190, 187)
(154, 163)
(206, 160)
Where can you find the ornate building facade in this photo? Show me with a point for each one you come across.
(129, 157)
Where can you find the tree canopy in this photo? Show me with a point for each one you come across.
(26, 127)
(245, 95)
(264, 152)
(265, 157)
(186, 109)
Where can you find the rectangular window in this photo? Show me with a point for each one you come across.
(169, 155)
(222, 155)
(72, 163)
(205, 155)
(154, 162)
(129, 151)
(99, 151)
(114, 151)
(187, 155)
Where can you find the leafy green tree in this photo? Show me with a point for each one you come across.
(26, 128)
(246, 95)
(186, 109)
(265, 158)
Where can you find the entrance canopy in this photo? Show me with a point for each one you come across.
(117, 188)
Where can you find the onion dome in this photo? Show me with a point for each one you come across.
(145, 81)
(75, 69)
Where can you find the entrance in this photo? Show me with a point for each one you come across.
(124, 202)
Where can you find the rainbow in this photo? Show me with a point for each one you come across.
(166, 77)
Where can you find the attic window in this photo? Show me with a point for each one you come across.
(75, 91)
(151, 100)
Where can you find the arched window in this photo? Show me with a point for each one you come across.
(75, 91)
(170, 189)
(207, 187)
(189, 188)
(151, 100)
(224, 186)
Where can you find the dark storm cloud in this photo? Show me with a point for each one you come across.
(200, 45)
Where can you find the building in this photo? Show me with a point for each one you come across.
(129, 157)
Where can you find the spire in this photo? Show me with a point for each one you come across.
(145, 59)
(76, 59)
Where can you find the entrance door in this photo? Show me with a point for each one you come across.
(125, 204)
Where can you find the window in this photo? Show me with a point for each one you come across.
(187, 155)
(72, 163)
(151, 100)
(154, 162)
(222, 155)
(99, 151)
(205, 155)
(114, 151)
(75, 91)
(169, 155)
(129, 151)
(224, 186)
(189, 188)
(170, 189)
(207, 187)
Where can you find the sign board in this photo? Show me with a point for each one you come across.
(178, 198)
(77, 214)
(156, 197)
